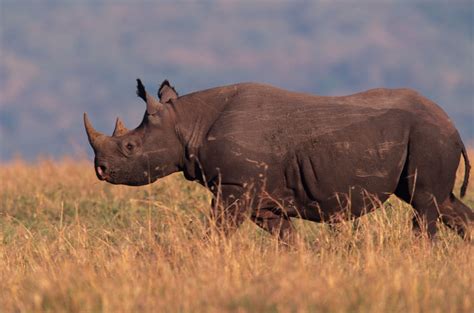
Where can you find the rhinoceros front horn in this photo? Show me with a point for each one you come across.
(120, 128)
(93, 135)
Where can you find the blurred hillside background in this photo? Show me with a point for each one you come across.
(61, 58)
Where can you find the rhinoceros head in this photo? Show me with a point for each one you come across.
(142, 155)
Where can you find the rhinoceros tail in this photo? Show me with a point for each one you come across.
(467, 170)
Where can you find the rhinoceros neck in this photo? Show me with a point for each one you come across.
(195, 115)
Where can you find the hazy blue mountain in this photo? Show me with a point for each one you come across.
(61, 58)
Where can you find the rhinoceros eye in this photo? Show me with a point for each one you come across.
(129, 146)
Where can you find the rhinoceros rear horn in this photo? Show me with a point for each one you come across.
(92, 134)
(120, 128)
(152, 104)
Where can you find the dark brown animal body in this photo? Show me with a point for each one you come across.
(274, 155)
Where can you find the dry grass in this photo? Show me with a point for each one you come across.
(69, 243)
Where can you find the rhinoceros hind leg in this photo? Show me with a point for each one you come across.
(457, 216)
(424, 204)
(425, 217)
(420, 186)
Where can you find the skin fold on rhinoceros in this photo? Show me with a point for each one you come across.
(273, 155)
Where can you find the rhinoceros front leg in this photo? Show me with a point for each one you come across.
(231, 206)
(228, 210)
(278, 225)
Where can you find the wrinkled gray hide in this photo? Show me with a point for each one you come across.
(274, 155)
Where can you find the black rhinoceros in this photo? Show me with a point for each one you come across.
(273, 154)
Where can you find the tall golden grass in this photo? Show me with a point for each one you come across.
(69, 243)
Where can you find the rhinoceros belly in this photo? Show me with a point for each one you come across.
(348, 172)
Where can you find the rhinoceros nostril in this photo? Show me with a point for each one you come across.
(101, 171)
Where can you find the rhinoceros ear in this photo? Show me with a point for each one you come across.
(120, 128)
(152, 104)
(166, 92)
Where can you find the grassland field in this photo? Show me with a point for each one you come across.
(69, 243)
